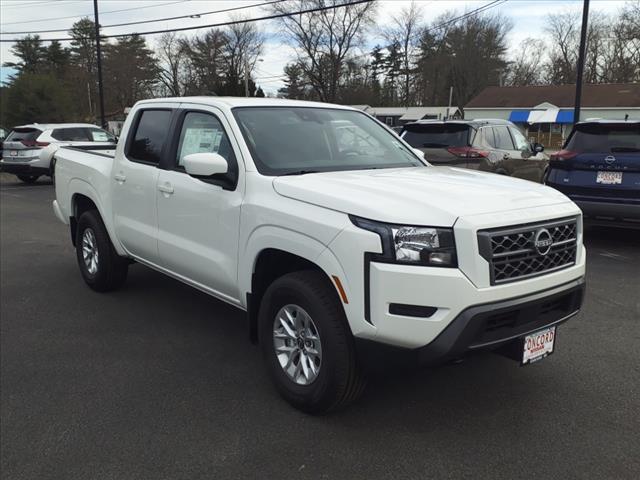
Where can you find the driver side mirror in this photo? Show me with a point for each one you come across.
(537, 147)
(205, 164)
(419, 153)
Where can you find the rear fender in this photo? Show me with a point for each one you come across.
(80, 187)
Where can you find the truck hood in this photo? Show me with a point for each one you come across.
(419, 196)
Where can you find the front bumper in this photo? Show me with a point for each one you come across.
(483, 327)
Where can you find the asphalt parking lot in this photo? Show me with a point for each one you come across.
(160, 381)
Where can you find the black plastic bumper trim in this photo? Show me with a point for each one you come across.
(468, 331)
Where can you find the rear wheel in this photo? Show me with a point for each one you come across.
(307, 345)
(29, 178)
(101, 266)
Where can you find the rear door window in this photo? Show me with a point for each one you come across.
(437, 135)
(75, 134)
(502, 138)
(484, 138)
(605, 138)
(151, 133)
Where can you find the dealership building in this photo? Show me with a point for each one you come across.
(545, 112)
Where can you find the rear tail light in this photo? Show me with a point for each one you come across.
(33, 143)
(467, 152)
(563, 155)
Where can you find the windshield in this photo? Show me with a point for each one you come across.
(605, 138)
(295, 140)
(436, 136)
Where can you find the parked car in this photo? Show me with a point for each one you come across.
(21, 149)
(495, 146)
(3, 134)
(599, 169)
(339, 241)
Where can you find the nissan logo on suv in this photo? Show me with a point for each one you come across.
(543, 241)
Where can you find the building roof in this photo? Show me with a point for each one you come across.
(606, 95)
(407, 113)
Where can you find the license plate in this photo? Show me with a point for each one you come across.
(538, 345)
(13, 153)
(609, 178)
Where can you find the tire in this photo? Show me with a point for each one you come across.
(109, 271)
(339, 380)
(52, 170)
(28, 178)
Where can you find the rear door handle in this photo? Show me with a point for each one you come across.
(120, 178)
(166, 188)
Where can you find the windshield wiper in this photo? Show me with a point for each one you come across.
(625, 149)
(299, 172)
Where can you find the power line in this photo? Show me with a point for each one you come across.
(91, 14)
(192, 15)
(222, 24)
(33, 4)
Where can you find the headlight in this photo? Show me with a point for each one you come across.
(412, 245)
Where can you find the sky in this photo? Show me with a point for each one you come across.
(527, 16)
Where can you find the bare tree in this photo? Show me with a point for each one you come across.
(204, 71)
(524, 69)
(241, 50)
(563, 31)
(404, 30)
(324, 39)
(172, 63)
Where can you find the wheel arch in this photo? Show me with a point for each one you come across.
(288, 252)
(84, 198)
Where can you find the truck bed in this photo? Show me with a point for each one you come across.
(84, 169)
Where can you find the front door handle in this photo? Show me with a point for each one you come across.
(120, 178)
(166, 188)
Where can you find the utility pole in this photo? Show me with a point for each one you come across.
(103, 123)
(450, 98)
(581, 59)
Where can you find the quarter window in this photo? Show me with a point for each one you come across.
(150, 135)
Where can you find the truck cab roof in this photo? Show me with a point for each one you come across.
(231, 102)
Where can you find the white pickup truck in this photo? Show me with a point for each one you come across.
(342, 244)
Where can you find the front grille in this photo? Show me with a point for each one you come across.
(513, 255)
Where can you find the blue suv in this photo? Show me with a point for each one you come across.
(599, 169)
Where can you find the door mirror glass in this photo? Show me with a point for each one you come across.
(419, 153)
(205, 164)
(537, 147)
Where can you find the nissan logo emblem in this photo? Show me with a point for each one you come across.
(609, 159)
(543, 241)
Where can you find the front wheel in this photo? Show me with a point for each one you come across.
(307, 345)
(101, 266)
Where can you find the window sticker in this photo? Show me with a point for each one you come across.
(200, 140)
(99, 136)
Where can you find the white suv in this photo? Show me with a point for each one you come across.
(21, 150)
